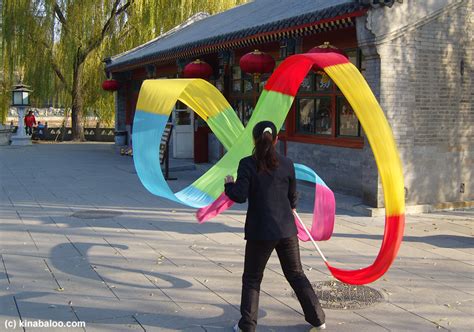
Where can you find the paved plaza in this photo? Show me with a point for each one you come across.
(82, 240)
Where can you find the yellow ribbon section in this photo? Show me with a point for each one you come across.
(198, 94)
(160, 97)
(378, 132)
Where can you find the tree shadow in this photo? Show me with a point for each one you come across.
(144, 223)
(168, 314)
(164, 317)
(57, 257)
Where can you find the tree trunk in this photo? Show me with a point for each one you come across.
(77, 104)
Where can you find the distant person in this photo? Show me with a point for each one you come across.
(41, 128)
(30, 121)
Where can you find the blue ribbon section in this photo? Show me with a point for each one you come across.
(307, 174)
(147, 131)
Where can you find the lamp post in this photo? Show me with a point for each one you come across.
(21, 100)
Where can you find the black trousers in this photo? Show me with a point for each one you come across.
(257, 254)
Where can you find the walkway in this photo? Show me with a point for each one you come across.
(146, 264)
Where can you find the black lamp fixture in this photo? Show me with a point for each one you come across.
(21, 95)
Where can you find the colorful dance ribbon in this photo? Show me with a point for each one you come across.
(155, 103)
(222, 203)
(158, 97)
(324, 210)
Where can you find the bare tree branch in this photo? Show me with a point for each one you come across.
(59, 14)
(123, 8)
(126, 30)
(95, 42)
(56, 68)
(59, 73)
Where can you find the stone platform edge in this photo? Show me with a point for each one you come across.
(354, 204)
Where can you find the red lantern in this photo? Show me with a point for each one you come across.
(325, 48)
(198, 69)
(257, 63)
(111, 85)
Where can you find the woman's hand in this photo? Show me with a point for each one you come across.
(229, 179)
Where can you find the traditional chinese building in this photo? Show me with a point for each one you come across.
(417, 57)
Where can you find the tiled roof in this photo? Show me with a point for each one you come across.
(253, 18)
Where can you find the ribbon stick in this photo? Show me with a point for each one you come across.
(309, 235)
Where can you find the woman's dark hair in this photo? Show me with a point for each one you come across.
(264, 134)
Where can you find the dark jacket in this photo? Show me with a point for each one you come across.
(271, 197)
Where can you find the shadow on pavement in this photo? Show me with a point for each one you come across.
(164, 319)
(57, 258)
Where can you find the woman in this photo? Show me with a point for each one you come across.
(267, 180)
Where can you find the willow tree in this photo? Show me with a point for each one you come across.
(58, 46)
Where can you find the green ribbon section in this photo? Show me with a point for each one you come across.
(272, 106)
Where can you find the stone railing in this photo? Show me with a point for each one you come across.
(65, 134)
(5, 133)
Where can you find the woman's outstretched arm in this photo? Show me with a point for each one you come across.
(238, 191)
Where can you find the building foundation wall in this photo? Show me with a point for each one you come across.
(340, 168)
(426, 91)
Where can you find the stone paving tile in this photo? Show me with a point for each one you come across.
(35, 309)
(407, 322)
(190, 318)
(154, 268)
(128, 323)
(8, 307)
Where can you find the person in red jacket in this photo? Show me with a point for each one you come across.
(30, 121)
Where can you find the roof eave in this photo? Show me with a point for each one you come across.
(239, 39)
